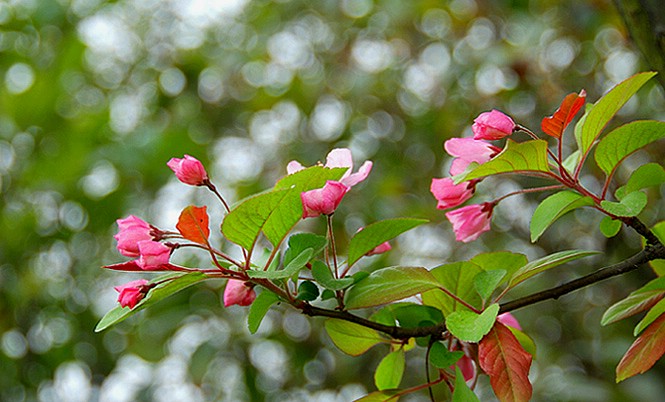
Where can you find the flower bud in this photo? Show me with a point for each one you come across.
(323, 201)
(131, 231)
(153, 255)
(238, 292)
(189, 170)
(132, 292)
(492, 125)
(471, 221)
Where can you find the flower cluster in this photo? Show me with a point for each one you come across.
(151, 247)
(471, 221)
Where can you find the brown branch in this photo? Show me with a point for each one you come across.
(653, 250)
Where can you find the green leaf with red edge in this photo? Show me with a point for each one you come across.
(556, 124)
(516, 157)
(193, 224)
(644, 352)
(502, 357)
(596, 118)
(350, 338)
(623, 141)
(545, 263)
(637, 301)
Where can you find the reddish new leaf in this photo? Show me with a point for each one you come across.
(644, 352)
(193, 224)
(557, 123)
(505, 361)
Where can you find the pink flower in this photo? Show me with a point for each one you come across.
(509, 320)
(468, 150)
(189, 170)
(238, 292)
(380, 249)
(131, 230)
(132, 292)
(153, 255)
(339, 158)
(492, 125)
(451, 195)
(323, 201)
(471, 221)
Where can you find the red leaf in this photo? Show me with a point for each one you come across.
(644, 352)
(557, 123)
(193, 224)
(505, 361)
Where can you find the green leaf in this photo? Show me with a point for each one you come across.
(631, 204)
(350, 338)
(462, 392)
(545, 263)
(516, 157)
(389, 372)
(554, 207)
(259, 308)
(244, 223)
(505, 260)
(291, 269)
(625, 140)
(468, 326)
(389, 284)
(442, 358)
(176, 282)
(457, 278)
(487, 282)
(637, 301)
(307, 291)
(321, 273)
(610, 227)
(596, 118)
(302, 241)
(654, 312)
(649, 175)
(408, 315)
(377, 233)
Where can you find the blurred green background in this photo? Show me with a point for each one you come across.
(95, 97)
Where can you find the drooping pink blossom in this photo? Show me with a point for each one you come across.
(492, 125)
(131, 230)
(238, 292)
(471, 221)
(153, 255)
(132, 292)
(323, 201)
(449, 194)
(188, 170)
(468, 150)
(339, 158)
(509, 320)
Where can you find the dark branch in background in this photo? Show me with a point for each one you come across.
(653, 250)
(645, 20)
